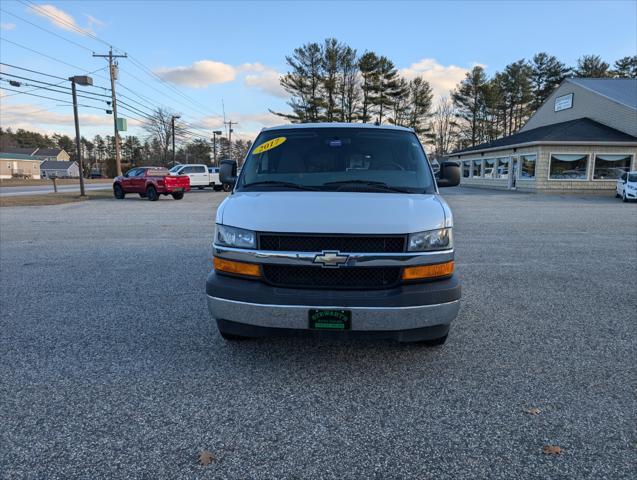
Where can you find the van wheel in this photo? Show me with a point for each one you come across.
(227, 187)
(118, 193)
(178, 195)
(151, 193)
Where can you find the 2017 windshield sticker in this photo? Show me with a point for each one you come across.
(269, 145)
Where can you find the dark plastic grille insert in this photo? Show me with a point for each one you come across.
(337, 278)
(318, 243)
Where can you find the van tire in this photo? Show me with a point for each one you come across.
(178, 195)
(227, 187)
(229, 337)
(151, 193)
(118, 192)
(434, 342)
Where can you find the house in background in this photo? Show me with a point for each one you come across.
(581, 139)
(59, 169)
(19, 165)
(39, 153)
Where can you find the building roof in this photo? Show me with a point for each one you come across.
(620, 90)
(336, 125)
(56, 164)
(18, 156)
(47, 152)
(19, 150)
(579, 130)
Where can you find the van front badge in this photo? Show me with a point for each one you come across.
(331, 259)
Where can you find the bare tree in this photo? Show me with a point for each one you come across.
(160, 129)
(443, 129)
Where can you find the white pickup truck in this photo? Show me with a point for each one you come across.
(335, 229)
(199, 174)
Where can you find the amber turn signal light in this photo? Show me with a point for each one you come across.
(237, 268)
(422, 272)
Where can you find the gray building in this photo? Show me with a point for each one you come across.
(581, 139)
(59, 169)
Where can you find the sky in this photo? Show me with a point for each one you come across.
(202, 59)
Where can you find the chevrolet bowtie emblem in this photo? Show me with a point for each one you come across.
(331, 259)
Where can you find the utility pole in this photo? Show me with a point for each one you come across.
(214, 146)
(230, 123)
(172, 119)
(112, 69)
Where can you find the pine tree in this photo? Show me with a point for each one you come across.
(349, 86)
(547, 72)
(626, 67)
(420, 99)
(305, 83)
(468, 98)
(592, 66)
(332, 56)
(368, 66)
(386, 88)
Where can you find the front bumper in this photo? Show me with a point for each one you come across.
(406, 307)
(631, 194)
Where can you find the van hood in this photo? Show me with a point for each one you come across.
(333, 212)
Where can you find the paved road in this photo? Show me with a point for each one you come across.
(111, 368)
(43, 189)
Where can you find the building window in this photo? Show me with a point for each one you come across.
(568, 166)
(527, 167)
(477, 166)
(489, 168)
(610, 167)
(466, 169)
(502, 167)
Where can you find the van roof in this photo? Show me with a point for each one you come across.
(371, 126)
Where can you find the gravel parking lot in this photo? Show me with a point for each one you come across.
(110, 366)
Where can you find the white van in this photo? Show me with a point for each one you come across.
(335, 229)
(200, 175)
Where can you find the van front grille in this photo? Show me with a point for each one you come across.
(341, 243)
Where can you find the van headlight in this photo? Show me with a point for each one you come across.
(431, 240)
(235, 237)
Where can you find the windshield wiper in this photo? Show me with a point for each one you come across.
(276, 183)
(369, 183)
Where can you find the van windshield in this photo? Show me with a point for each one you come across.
(337, 159)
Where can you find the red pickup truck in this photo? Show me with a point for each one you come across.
(150, 183)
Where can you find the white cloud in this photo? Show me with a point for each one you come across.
(93, 22)
(62, 19)
(7, 26)
(204, 73)
(200, 74)
(268, 81)
(441, 78)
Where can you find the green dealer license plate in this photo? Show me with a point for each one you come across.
(330, 319)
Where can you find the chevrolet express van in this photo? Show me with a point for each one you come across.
(335, 229)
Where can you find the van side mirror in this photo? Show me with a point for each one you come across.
(228, 172)
(449, 174)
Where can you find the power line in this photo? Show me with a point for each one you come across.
(80, 69)
(46, 30)
(51, 89)
(50, 98)
(52, 84)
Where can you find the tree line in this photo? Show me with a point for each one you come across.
(331, 81)
(98, 153)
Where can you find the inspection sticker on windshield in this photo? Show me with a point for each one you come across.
(269, 145)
